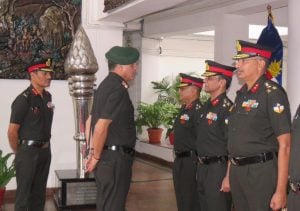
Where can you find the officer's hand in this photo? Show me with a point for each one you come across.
(225, 184)
(91, 164)
(278, 201)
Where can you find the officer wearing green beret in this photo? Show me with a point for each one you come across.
(212, 171)
(111, 131)
(29, 134)
(185, 163)
(294, 170)
(258, 134)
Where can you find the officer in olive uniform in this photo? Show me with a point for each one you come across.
(259, 134)
(294, 170)
(185, 163)
(212, 174)
(29, 134)
(113, 132)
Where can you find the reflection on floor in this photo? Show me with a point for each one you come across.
(151, 189)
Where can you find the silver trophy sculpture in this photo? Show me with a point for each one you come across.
(81, 66)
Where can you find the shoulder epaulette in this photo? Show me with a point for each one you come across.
(227, 103)
(198, 106)
(270, 87)
(26, 93)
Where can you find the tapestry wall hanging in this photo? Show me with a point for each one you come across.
(34, 30)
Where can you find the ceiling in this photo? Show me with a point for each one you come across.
(138, 9)
(133, 12)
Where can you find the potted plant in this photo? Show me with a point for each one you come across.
(7, 172)
(153, 116)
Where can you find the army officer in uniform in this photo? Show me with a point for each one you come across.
(212, 174)
(185, 164)
(258, 134)
(111, 129)
(29, 134)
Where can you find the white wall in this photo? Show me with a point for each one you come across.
(176, 56)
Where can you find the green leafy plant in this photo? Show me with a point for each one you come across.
(167, 90)
(154, 115)
(7, 172)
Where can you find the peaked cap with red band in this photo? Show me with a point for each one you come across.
(45, 66)
(215, 68)
(187, 80)
(247, 49)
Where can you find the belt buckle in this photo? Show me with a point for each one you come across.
(30, 143)
(113, 148)
(233, 161)
(200, 160)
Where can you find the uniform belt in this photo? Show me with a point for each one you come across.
(185, 154)
(261, 158)
(35, 143)
(212, 159)
(120, 148)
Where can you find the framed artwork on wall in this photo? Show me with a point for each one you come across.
(33, 30)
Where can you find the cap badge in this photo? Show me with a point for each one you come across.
(278, 108)
(48, 62)
(206, 66)
(238, 46)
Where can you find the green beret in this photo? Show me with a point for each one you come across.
(122, 55)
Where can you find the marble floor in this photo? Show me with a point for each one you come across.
(151, 189)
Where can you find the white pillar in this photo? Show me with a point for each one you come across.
(293, 75)
(229, 29)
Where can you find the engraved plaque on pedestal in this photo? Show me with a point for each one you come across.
(74, 191)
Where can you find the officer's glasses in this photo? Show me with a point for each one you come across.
(244, 61)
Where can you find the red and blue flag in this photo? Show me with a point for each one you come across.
(270, 37)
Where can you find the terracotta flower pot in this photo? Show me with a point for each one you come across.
(171, 137)
(2, 192)
(154, 135)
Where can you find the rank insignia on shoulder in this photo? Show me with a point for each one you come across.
(269, 87)
(125, 84)
(26, 94)
(198, 106)
(278, 108)
(226, 103)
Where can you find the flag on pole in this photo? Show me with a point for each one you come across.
(270, 37)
